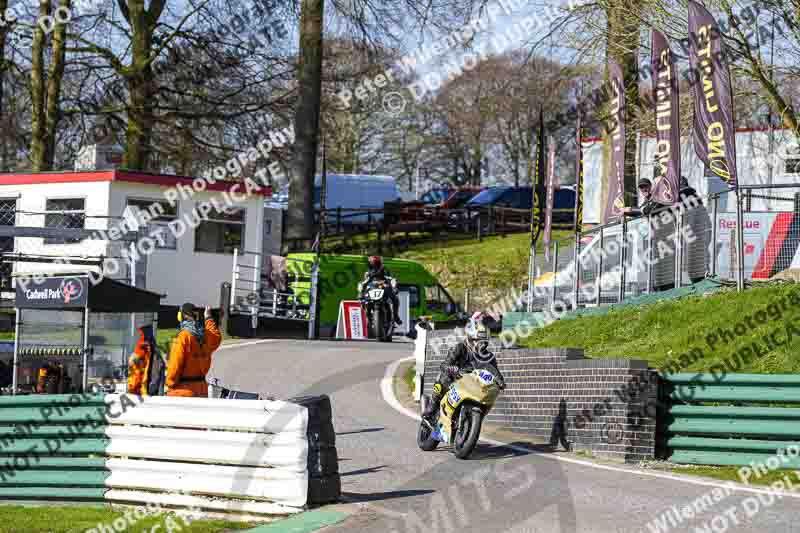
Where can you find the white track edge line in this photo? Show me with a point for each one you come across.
(389, 397)
(248, 343)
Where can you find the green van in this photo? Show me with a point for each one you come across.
(339, 276)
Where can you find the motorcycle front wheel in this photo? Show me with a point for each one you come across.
(377, 322)
(468, 431)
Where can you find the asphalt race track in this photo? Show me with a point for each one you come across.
(397, 487)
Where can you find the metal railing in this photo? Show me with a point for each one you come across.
(58, 240)
(260, 290)
(752, 234)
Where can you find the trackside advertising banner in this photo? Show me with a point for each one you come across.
(579, 180)
(714, 134)
(616, 170)
(668, 131)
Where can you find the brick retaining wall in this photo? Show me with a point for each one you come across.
(591, 394)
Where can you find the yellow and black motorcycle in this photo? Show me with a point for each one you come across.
(461, 412)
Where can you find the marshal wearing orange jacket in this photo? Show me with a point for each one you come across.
(190, 356)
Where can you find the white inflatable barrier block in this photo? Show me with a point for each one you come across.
(269, 484)
(188, 501)
(287, 451)
(259, 416)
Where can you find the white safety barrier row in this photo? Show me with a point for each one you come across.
(231, 455)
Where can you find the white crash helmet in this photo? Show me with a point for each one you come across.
(477, 333)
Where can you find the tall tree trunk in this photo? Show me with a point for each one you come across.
(38, 128)
(55, 78)
(46, 91)
(4, 64)
(623, 46)
(309, 83)
(141, 82)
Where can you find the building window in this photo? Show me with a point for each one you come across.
(162, 213)
(64, 213)
(792, 160)
(220, 232)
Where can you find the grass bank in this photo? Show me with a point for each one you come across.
(494, 262)
(661, 332)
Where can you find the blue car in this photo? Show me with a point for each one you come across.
(522, 198)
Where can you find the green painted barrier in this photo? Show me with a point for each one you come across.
(52, 447)
(695, 432)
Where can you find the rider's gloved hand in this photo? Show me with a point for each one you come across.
(453, 371)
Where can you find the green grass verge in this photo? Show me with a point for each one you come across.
(663, 331)
(495, 262)
(408, 377)
(731, 473)
(74, 519)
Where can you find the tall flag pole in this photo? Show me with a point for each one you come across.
(578, 178)
(536, 173)
(616, 171)
(714, 126)
(549, 200)
(323, 197)
(668, 131)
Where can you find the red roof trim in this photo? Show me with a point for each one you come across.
(55, 177)
(161, 180)
(166, 180)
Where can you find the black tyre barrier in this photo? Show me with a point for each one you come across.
(320, 420)
(324, 484)
(324, 489)
(322, 461)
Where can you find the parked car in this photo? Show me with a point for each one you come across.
(522, 198)
(461, 196)
(436, 196)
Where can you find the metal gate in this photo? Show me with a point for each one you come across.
(274, 288)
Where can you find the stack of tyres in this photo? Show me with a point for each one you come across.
(324, 484)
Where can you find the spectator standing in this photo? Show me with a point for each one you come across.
(190, 356)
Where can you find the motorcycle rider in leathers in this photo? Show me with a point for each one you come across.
(379, 272)
(470, 354)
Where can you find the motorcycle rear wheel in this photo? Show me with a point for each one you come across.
(467, 433)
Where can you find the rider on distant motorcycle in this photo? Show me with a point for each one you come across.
(466, 356)
(378, 272)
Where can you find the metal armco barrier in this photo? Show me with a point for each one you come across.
(734, 434)
(233, 456)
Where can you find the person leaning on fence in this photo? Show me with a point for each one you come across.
(662, 222)
(190, 356)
